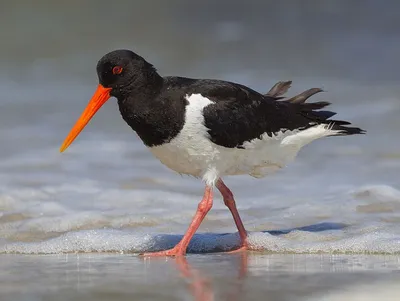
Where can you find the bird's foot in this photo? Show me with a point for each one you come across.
(244, 248)
(240, 250)
(175, 251)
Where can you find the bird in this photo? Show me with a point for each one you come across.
(209, 128)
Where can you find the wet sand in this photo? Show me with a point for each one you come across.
(199, 277)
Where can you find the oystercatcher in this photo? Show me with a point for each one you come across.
(209, 128)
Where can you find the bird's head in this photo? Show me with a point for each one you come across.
(120, 73)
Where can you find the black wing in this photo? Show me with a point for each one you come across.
(240, 114)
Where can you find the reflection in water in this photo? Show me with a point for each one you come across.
(200, 284)
(237, 290)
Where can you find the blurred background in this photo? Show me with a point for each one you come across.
(354, 40)
(106, 193)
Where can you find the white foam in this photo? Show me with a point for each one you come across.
(379, 241)
(83, 216)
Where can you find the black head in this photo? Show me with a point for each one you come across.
(122, 69)
(122, 73)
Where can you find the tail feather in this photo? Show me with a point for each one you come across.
(314, 105)
(302, 97)
(279, 89)
(338, 125)
(326, 114)
(311, 110)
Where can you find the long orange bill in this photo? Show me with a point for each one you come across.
(98, 99)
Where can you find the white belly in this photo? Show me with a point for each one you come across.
(192, 153)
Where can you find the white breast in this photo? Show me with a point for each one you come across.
(191, 151)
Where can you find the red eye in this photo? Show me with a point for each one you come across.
(117, 70)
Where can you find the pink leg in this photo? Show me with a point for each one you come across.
(230, 203)
(202, 210)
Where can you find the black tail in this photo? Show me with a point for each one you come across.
(311, 110)
(338, 125)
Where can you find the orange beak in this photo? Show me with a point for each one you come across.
(98, 99)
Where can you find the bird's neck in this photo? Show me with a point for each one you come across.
(154, 116)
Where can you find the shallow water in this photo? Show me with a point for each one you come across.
(106, 193)
(200, 277)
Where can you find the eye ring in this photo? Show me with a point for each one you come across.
(117, 70)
